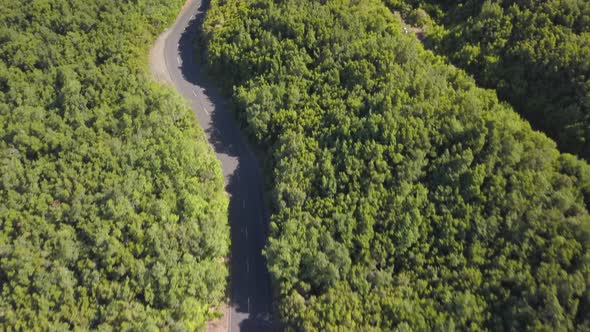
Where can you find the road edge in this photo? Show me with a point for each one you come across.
(160, 73)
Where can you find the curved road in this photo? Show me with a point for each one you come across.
(249, 288)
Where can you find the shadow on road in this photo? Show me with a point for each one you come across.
(249, 289)
(195, 73)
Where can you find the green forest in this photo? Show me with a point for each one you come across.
(104, 225)
(405, 197)
(535, 53)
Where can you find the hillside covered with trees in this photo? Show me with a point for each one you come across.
(405, 197)
(112, 209)
(535, 53)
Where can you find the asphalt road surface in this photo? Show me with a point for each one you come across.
(250, 296)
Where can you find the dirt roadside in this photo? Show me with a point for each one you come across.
(157, 61)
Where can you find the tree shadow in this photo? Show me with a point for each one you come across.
(249, 288)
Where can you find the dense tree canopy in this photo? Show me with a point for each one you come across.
(535, 53)
(405, 197)
(112, 209)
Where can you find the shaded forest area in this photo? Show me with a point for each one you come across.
(405, 197)
(535, 53)
(113, 214)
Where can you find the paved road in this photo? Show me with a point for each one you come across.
(250, 297)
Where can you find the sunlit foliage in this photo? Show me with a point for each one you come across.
(405, 197)
(535, 53)
(112, 209)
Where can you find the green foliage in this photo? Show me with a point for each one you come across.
(112, 208)
(405, 197)
(535, 53)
